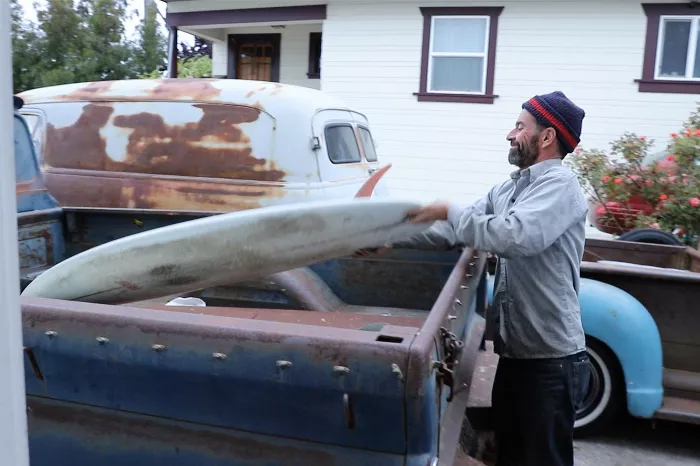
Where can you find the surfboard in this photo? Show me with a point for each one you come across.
(224, 249)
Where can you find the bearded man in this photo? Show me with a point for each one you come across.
(535, 223)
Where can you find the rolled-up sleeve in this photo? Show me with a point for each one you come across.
(549, 208)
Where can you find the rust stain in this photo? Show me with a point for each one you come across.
(156, 193)
(196, 89)
(252, 93)
(89, 91)
(213, 147)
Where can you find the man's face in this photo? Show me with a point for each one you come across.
(524, 141)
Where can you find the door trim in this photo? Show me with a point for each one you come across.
(274, 39)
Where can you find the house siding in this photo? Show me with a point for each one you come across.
(591, 50)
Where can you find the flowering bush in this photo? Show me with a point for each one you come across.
(627, 192)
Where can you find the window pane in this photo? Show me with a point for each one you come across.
(459, 35)
(457, 74)
(675, 48)
(342, 145)
(368, 144)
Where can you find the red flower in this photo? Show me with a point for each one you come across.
(618, 180)
(694, 201)
(605, 179)
(643, 138)
(674, 135)
(697, 132)
(671, 158)
(688, 133)
(663, 197)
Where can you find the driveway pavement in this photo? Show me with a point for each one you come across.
(630, 442)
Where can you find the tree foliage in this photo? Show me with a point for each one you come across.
(82, 40)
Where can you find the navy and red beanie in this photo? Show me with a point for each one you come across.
(556, 111)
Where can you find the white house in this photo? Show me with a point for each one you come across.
(443, 81)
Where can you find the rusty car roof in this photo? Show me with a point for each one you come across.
(261, 94)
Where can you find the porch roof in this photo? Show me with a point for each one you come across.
(246, 16)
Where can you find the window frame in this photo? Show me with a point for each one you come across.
(354, 137)
(487, 95)
(650, 81)
(484, 54)
(692, 47)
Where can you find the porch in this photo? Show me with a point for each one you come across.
(279, 44)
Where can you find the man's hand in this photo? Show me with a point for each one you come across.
(372, 251)
(430, 213)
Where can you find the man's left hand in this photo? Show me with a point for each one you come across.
(430, 213)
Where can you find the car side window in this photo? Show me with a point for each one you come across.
(24, 158)
(341, 144)
(368, 144)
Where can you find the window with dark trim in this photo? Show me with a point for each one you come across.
(314, 56)
(459, 54)
(367, 144)
(341, 144)
(672, 49)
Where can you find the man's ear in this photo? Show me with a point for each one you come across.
(550, 137)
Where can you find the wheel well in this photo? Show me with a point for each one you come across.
(602, 347)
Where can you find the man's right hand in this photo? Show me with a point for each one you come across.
(369, 252)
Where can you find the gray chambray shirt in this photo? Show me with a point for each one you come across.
(535, 223)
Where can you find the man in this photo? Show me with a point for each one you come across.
(535, 224)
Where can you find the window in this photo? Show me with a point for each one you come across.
(314, 56)
(672, 52)
(459, 54)
(342, 145)
(368, 145)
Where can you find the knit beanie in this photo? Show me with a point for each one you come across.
(555, 110)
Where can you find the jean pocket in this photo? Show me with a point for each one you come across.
(581, 377)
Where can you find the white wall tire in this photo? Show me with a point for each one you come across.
(604, 396)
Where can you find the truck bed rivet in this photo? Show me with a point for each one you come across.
(158, 347)
(340, 370)
(51, 334)
(451, 317)
(102, 340)
(219, 356)
(464, 287)
(284, 364)
(458, 302)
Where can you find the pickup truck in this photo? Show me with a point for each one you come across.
(347, 362)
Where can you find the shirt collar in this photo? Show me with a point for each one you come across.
(535, 170)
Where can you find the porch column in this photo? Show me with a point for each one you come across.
(172, 52)
(13, 422)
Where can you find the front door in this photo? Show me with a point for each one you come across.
(254, 56)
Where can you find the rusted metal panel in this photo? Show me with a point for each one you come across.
(82, 435)
(40, 240)
(221, 371)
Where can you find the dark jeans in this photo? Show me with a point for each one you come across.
(534, 406)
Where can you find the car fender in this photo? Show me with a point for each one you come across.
(617, 319)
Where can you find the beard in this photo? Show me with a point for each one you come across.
(523, 155)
